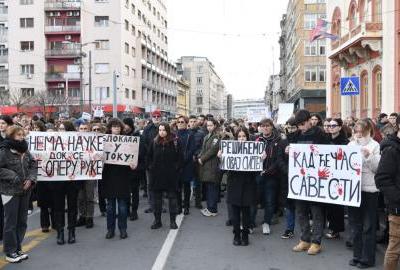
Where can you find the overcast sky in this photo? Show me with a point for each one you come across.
(238, 36)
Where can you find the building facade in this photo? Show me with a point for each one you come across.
(365, 49)
(183, 97)
(81, 52)
(303, 63)
(274, 94)
(3, 51)
(241, 106)
(207, 89)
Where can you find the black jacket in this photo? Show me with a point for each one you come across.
(116, 181)
(242, 188)
(15, 168)
(314, 135)
(164, 163)
(387, 177)
(149, 134)
(273, 145)
(341, 139)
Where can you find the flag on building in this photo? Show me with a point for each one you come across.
(319, 31)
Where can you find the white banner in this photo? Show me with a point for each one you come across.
(68, 156)
(285, 112)
(254, 115)
(242, 156)
(121, 150)
(325, 173)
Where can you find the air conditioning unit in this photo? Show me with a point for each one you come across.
(68, 37)
(29, 76)
(61, 85)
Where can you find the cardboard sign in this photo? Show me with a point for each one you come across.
(325, 173)
(285, 112)
(86, 116)
(66, 156)
(121, 150)
(242, 156)
(254, 115)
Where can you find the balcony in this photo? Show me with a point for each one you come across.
(63, 53)
(3, 77)
(62, 5)
(64, 29)
(61, 77)
(3, 59)
(3, 36)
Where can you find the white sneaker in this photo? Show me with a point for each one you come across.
(265, 228)
(207, 213)
(251, 231)
(30, 212)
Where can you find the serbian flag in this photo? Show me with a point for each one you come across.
(319, 31)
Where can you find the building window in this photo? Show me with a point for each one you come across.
(199, 110)
(126, 48)
(101, 21)
(199, 80)
(26, 2)
(133, 9)
(310, 73)
(199, 100)
(199, 69)
(310, 20)
(127, 3)
(310, 48)
(364, 94)
(27, 92)
(126, 93)
(133, 30)
(133, 51)
(27, 69)
(126, 70)
(321, 47)
(321, 73)
(133, 73)
(377, 10)
(102, 68)
(354, 105)
(102, 44)
(27, 45)
(133, 94)
(126, 25)
(102, 92)
(377, 84)
(26, 22)
(352, 16)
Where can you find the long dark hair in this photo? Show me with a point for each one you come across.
(168, 138)
(69, 126)
(114, 122)
(242, 129)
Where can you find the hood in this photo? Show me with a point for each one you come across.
(391, 140)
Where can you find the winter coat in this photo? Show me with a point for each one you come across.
(15, 168)
(199, 135)
(370, 164)
(116, 181)
(341, 139)
(164, 162)
(273, 145)
(149, 134)
(241, 188)
(314, 135)
(186, 142)
(209, 171)
(387, 177)
(388, 129)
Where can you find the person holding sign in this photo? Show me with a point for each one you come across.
(209, 168)
(164, 161)
(241, 192)
(116, 188)
(363, 219)
(18, 174)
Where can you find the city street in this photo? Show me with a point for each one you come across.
(201, 243)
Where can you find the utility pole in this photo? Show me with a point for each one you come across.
(114, 94)
(81, 76)
(90, 80)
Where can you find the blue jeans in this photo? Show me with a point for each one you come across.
(112, 213)
(270, 185)
(212, 197)
(290, 219)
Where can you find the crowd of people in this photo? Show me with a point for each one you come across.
(180, 158)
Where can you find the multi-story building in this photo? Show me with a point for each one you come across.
(366, 48)
(207, 89)
(3, 51)
(229, 106)
(183, 97)
(273, 94)
(84, 51)
(241, 107)
(304, 69)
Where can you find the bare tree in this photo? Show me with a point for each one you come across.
(45, 100)
(19, 98)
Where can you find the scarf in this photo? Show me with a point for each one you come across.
(19, 146)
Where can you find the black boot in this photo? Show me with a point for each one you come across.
(89, 223)
(134, 215)
(60, 237)
(157, 221)
(71, 236)
(173, 224)
(245, 237)
(81, 222)
(236, 239)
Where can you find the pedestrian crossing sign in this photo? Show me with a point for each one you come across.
(350, 86)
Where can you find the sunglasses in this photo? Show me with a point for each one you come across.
(332, 126)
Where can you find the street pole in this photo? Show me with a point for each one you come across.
(114, 94)
(66, 95)
(81, 76)
(90, 80)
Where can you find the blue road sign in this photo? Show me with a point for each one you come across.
(350, 86)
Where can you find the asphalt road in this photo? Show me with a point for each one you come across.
(200, 243)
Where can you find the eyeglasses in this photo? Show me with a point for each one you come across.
(95, 129)
(156, 116)
(332, 126)
(181, 122)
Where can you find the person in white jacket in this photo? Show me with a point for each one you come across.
(363, 219)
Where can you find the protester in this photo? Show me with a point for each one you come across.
(316, 120)
(241, 191)
(327, 122)
(334, 212)
(382, 120)
(65, 190)
(387, 180)
(116, 185)
(209, 170)
(391, 126)
(164, 161)
(310, 240)
(18, 174)
(363, 219)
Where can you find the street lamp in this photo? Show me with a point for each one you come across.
(81, 55)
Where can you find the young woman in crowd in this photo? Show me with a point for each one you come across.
(164, 161)
(363, 219)
(241, 192)
(209, 168)
(316, 120)
(116, 188)
(326, 125)
(65, 190)
(18, 172)
(334, 212)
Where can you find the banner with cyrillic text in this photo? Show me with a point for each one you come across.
(67, 156)
(325, 173)
(242, 156)
(121, 150)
